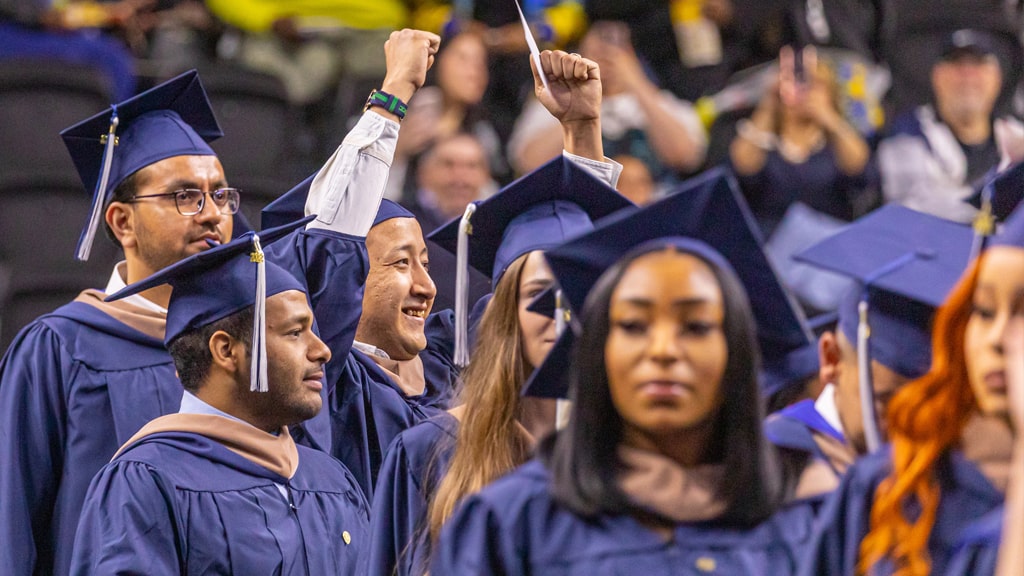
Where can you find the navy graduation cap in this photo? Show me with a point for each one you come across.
(291, 206)
(171, 119)
(1012, 232)
(707, 208)
(906, 263)
(996, 200)
(221, 281)
(539, 211)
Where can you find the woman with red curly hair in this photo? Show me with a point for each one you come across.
(907, 510)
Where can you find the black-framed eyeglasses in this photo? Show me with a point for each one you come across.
(190, 201)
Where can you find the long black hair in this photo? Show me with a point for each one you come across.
(583, 457)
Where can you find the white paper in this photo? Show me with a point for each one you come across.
(534, 52)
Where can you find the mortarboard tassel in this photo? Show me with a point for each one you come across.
(258, 369)
(562, 407)
(109, 140)
(872, 436)
(984, 223)
(462, 288)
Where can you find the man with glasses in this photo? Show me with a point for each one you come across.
(81, 381)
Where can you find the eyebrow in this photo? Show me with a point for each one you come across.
(184, 183)
(679, 303)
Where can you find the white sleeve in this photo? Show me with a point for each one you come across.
(346, 192)
(607, 171)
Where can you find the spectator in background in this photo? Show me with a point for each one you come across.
(452, 105)
(638, 119)
(934, 156)
(78, 33)
(310, 45)
(451, 174)
(798, 147)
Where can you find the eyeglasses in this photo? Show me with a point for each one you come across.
(190, 201)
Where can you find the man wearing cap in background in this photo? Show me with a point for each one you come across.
(905, 263)
(221, 487)
(400, 369)
(79, 382)
(934, 157)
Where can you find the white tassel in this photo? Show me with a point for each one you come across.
(100, 194)
(462, 289)
(258, 369)
(872, 436)
(562, 407)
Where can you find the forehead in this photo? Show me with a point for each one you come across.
(1002, 269)
(667, 276)
(198, 170)
(287, 304)
(394, 234)
(535, 268)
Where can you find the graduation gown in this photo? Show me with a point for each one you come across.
(965, 495)
(977, 552)
(79, 382)
(413, 468)
(368, 408)
(74, 385)
(179, 502)
(514, 527)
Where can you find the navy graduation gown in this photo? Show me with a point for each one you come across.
(413, 468)
(369, 409)
(74, 385)
(181, 503)
(514, 527)
(977, 552)
(965, 496)
(794, 426)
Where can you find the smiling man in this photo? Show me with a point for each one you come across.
(221, 487)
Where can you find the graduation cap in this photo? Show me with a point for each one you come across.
(996, 200)
(221, 281)
(906, 262)
(171, 119)
(708, 208)
(291, 206)
(1012, 233)
(539, 211)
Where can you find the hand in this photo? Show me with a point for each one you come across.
(409, 54)
(1013, 346)
(574, 86)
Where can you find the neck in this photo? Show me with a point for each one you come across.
(136, 270)
(799, 131)
(987, 441)
(969, 129)
(222, 398)
(688, 448)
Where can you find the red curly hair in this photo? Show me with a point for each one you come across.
(926, 418)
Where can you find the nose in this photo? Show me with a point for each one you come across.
(318, 351)
(422, 285)
(210, 212)
(664, 346)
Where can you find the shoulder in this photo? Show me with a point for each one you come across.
(515, 495)
(423, 438)
(321, 472)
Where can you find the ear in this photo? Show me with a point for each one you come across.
(121, 219)
(829, 355)
(227, 352)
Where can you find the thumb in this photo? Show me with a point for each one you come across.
(538, 84)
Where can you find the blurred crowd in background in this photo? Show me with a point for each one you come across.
(824, 109)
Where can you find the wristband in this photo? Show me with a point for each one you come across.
(388, 102)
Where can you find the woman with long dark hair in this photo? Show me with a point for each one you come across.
(663, 468)
(906, 510)
(429, 468)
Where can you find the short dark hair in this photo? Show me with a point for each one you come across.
(583, 458)
(124, 192)
(191, 350)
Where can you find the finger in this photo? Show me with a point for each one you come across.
(593, 70)
(433, 41)
(547, 63)
(566, 65)
(580, 67)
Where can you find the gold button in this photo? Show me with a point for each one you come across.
(706, 564)
(346, 537)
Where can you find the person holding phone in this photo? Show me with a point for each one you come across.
(798, 147)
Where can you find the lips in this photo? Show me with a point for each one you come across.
(314, 380)
(663, 389)
(420, 313)
(995, 381)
